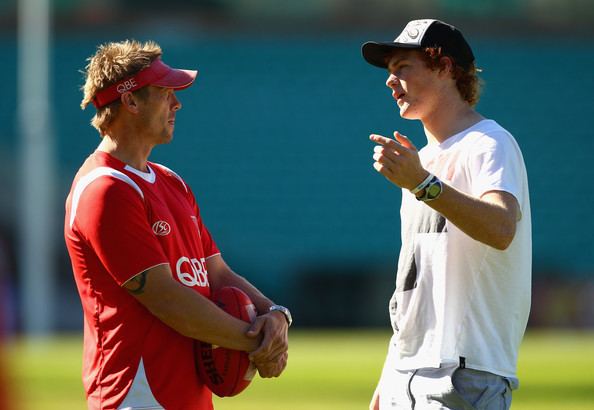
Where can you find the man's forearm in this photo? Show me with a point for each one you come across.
(188, 312)
(230, 278)
(490, 219)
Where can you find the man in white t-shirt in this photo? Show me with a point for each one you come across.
(462, 295)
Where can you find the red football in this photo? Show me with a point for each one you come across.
(227, 372)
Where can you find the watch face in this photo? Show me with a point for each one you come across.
(434, 190)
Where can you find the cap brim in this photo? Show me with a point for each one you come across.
(375, 53)
(177, 79)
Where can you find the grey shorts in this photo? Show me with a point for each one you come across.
(444, 388)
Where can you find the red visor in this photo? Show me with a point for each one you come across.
(158, 73)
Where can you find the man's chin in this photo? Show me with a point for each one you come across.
(403, 109)
(408, 114)
(167, 139)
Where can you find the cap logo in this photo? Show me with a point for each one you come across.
(161, 228)
(127, 85)
(413, 32)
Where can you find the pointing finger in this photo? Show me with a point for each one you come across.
(380, 139)
(388, 142)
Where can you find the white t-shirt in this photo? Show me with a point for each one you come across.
(456, 297)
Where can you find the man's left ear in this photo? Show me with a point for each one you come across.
(447, 65)
(129, 102)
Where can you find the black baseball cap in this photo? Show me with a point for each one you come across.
(420, 34)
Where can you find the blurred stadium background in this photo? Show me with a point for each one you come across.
(273, 141)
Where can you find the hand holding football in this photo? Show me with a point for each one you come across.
(227, 372)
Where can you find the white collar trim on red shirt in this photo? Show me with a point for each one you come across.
(149, 176)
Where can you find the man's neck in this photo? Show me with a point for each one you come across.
(448, 120)
(128, 150)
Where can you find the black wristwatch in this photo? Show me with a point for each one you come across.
(432, 190)
(284, 311)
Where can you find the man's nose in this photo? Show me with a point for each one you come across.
(392, 81)
(175, 102)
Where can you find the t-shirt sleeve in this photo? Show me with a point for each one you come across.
(112, 218)
(497, 165)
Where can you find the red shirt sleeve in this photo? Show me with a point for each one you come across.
(209, 246)
(112, 218)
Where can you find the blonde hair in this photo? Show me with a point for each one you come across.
(111, 63)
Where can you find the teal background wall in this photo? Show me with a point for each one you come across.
(273, 140)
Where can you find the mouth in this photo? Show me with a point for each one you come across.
(399, 97)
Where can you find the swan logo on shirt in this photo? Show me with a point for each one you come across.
(161, 228)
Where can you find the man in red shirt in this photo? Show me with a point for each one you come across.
(143, 260)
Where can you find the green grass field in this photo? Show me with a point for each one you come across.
(327, 370)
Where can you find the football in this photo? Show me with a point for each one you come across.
(226, 372)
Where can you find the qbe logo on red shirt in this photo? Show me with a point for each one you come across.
(196, 275)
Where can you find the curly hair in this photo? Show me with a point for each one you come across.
(467, 79)
(111, 63)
